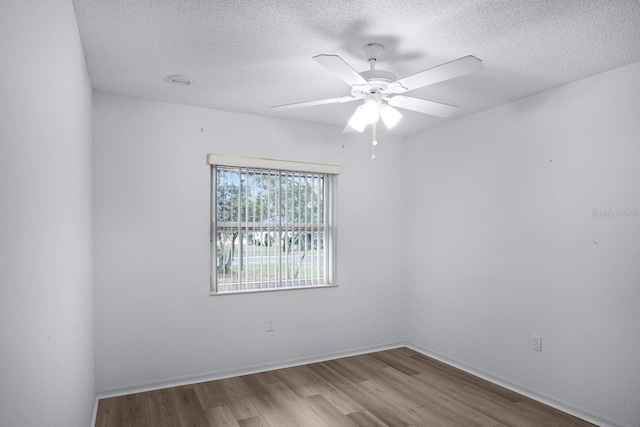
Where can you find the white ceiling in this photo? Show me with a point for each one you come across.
(246, 56)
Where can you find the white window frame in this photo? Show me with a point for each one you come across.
(329, 224)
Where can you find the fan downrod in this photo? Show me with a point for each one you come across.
(378, 79)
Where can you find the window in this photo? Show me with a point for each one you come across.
(272, 224)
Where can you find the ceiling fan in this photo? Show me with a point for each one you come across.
(381, 91)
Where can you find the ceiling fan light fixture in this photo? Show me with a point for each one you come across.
(357, 122)
(370, 111)
(390, 116)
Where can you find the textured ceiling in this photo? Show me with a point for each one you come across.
(246, 56)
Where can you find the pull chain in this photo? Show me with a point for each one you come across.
(374, 142)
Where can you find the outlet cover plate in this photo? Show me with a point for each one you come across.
(536, 341)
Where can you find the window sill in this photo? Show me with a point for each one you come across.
(259, 291)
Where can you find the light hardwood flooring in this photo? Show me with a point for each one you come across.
(397, 387)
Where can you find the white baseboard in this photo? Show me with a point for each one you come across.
(245, 370)
(548, 400)
(559, 404)
(94, 413)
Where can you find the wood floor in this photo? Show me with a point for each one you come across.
(397, 387)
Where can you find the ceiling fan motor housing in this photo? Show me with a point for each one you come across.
(378, 80)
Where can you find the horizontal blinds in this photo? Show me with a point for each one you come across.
(273, 164)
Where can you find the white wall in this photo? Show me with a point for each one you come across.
(155, 320)
(504, 244)
(46, 303)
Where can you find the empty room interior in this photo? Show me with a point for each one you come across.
(383, 213)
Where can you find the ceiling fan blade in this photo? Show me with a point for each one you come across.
(312, 103)
(450, 70)
(422, 106)
(348, 129)
(337, 66)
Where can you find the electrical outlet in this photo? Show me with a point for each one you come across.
(269, 325)
(536, 342)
